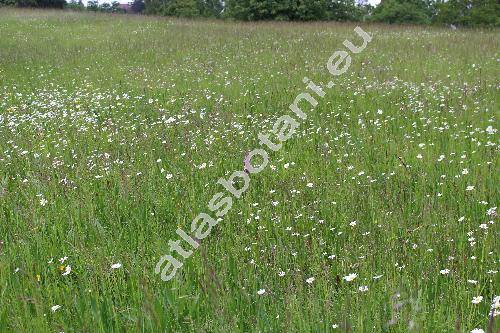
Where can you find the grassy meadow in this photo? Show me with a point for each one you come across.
(379, 215)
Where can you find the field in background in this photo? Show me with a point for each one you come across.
(115, 129)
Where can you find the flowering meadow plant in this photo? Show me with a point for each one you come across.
(288, 198)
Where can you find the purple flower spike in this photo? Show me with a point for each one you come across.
(246, 163)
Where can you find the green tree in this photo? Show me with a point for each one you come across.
(152, 7)
(8, 3)
(179, 8)
(210, 8)
(255, 10)
(93, 5)
(402, 11)
(138, 6)
(310, 10)
(39, 3)
(182, 8)
(344, 10)
(468, 12)
(303, 10)
(485, 12)
(75, 5)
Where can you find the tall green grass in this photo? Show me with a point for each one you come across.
(106, 123)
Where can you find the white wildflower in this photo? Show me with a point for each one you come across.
(67, 270)
(55, 308)
(477, 299)
(350, 277)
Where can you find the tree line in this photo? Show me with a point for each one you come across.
(452, 12)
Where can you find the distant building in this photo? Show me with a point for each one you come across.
(127, 7)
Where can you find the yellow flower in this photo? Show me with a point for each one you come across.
(38, 277)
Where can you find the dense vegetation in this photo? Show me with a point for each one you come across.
(457, 12)
(378, 215)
